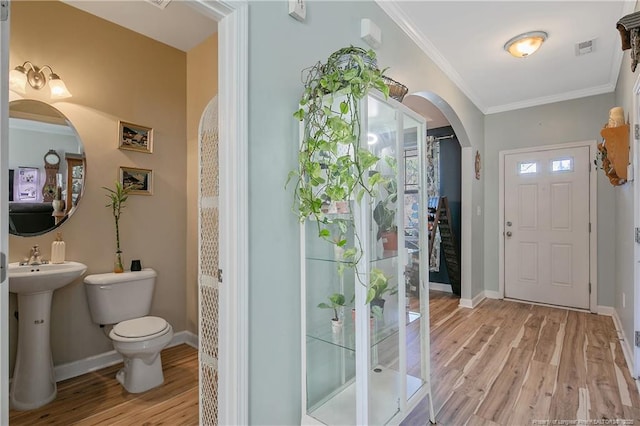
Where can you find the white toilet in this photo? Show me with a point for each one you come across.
(124, 301)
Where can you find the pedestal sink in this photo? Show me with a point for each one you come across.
(34, 384)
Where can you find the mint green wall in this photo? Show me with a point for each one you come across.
(560, 122)
(279, 48)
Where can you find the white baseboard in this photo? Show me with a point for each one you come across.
(186, 337)
(472, 303)
(609, 311)
(440, 287)
(627, 349)
(106, 359)
(490, 294)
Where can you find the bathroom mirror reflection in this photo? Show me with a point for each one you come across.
(46, 168)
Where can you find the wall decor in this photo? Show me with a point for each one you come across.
(140, 181)
(135, 138)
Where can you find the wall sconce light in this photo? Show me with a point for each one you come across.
(526, 44)
(32, 74)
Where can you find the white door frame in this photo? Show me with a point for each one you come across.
(4, 221)
(233, 54)
(593, 217)
(634, 155)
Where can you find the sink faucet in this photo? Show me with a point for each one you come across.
(34, 258)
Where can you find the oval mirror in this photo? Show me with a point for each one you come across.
(46, 168)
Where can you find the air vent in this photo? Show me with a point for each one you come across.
(160, 3)
(585, 47)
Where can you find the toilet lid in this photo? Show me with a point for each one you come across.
(140, 327)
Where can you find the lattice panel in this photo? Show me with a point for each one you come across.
(209, 171)
(208, 395)
(209, 264)
(209, 302)
(209, 248)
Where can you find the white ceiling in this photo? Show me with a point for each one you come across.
(464, 38)
(181, 24)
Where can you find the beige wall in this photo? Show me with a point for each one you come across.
(202, 86)
(113, 74)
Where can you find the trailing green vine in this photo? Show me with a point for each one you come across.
(332, 167)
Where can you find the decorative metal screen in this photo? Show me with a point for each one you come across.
(208, 285)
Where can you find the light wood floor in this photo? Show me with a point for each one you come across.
(503, 363)
(98, 399)
(509, 363)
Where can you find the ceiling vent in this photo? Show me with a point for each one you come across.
(585, 47)
(160, 3)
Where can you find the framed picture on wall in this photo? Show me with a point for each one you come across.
(139, 180)
(133, 137)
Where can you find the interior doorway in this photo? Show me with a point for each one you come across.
(454, 182)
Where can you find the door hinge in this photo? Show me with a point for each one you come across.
(4, 10)
(3, 267)
(638, 235)
(589, 288)
(589, 227)
(219, 275)
(638, 339)
(636, 131)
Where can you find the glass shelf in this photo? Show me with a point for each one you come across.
(387, 254)
(346, 338)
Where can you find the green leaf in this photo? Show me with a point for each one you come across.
(324, 233)
(299, 114)
(344, 107)
(371, 293)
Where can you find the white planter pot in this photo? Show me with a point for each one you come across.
(336, 326)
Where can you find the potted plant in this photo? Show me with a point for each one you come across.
(336, 300)
(384, 214)
(333, 170)
(117, 198)
(378, 287)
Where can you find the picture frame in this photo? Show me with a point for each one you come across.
(140, 180)
(133, 137)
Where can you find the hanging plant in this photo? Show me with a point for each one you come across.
(333, 170)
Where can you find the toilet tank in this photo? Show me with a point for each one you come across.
(118, 297)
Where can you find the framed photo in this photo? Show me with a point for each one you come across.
(139, 180)
(133, 137)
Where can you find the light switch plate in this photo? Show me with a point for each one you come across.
(297, 10)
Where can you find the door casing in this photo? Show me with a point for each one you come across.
(593, 203)
(4, 220)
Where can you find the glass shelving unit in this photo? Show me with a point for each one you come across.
(376, 368)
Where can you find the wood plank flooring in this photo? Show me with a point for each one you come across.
(98, 399)
(509, 363)
(503, 363)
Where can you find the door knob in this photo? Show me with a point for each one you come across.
(509, 223)
(509, 233)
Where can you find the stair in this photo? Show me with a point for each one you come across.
(448, 246)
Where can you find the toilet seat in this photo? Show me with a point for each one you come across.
(139, 329)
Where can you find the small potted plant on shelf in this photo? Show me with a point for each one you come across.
(378, 287)
(384, 214)
(336, 300)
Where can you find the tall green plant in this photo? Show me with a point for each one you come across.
(332, 167)
(117, 198)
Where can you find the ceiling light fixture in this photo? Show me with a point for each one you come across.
(34, 75)
(526, 44)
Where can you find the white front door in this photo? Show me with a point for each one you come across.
(546, 229)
